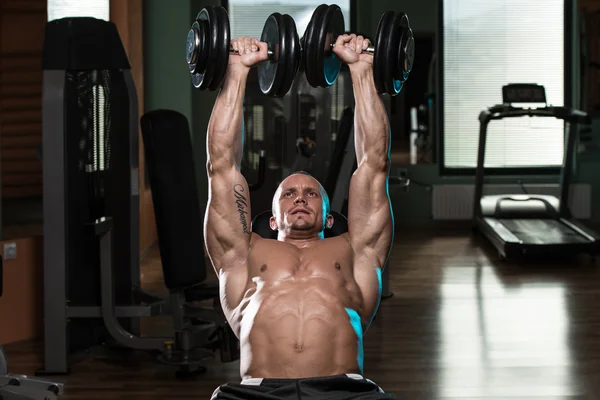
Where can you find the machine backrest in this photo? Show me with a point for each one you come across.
(260, 225)
(172, 176)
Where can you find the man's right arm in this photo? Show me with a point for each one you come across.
(227, 223)
(227, 229)
(227, 226)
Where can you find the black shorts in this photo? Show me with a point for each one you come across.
(338, 387)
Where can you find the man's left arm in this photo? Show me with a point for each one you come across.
(370, 222)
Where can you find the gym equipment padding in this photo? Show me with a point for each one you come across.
(171, 172)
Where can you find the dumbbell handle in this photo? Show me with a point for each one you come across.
(369, 50)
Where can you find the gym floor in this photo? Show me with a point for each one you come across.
(461, 325)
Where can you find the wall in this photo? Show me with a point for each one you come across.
(21, 302)
(21, 179)
(20, 111)
(128, 16)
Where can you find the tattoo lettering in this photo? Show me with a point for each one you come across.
(242, 205)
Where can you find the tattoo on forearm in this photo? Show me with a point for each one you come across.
(242, 206)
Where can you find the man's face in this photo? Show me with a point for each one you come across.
(299, 205)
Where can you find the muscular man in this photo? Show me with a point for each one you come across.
(299, 304)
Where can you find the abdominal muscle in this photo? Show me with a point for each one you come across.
(298, 328)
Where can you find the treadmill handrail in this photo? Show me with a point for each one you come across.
(570, 115)
(567, 114)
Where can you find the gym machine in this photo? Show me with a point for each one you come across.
(92, 288)
(23, 387)
(525, 224)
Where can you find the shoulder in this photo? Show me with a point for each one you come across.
(342, 240)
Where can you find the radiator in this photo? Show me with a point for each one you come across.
(455, 202)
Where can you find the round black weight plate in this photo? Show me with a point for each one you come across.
(379, 60)
(271, 71)
(207, 17)
(292, 55)
(406, 49)
(311, 43)
(223, 43)
(392, 39)
(327, 63)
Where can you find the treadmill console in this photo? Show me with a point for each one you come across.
(523, 93)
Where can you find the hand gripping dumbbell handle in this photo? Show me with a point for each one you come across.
(369, 50)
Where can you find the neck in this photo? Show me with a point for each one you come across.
(299, 241)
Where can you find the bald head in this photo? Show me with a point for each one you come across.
(285, 184)
(301, 204)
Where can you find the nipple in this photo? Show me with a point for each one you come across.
(338, 266)
(263, 268)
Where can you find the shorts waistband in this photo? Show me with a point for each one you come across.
(258, 381)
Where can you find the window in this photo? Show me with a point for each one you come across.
(247, 17)
(488, 44)
(77, 8)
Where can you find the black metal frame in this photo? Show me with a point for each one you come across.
(439, 101)
(107, 305)
(119, 320)
(508, 244)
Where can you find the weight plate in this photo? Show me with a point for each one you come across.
(327, 62)
(409, 50)
(311, 43)
(223, 43)
(292, 55)
(271, 71)
(207, 17)
(393, 37)
(192, 46)
(379, 60)
(197, 47)
(406, 46)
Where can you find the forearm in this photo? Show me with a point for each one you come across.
(371, 125)
(224, 141)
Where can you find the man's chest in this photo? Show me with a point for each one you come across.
(327, 259)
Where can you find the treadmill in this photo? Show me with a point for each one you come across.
(531, 224)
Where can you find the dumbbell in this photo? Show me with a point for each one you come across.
(392, 51)
(208, 47)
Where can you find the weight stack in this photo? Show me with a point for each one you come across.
(90, 171)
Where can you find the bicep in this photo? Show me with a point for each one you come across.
(370, 222)
(227, 226)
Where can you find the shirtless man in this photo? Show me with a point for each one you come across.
(299, 304)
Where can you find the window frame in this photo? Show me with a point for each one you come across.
(108, 2)
(353, 3)
(439, 101)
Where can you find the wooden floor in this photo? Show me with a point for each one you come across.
(460, 325)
